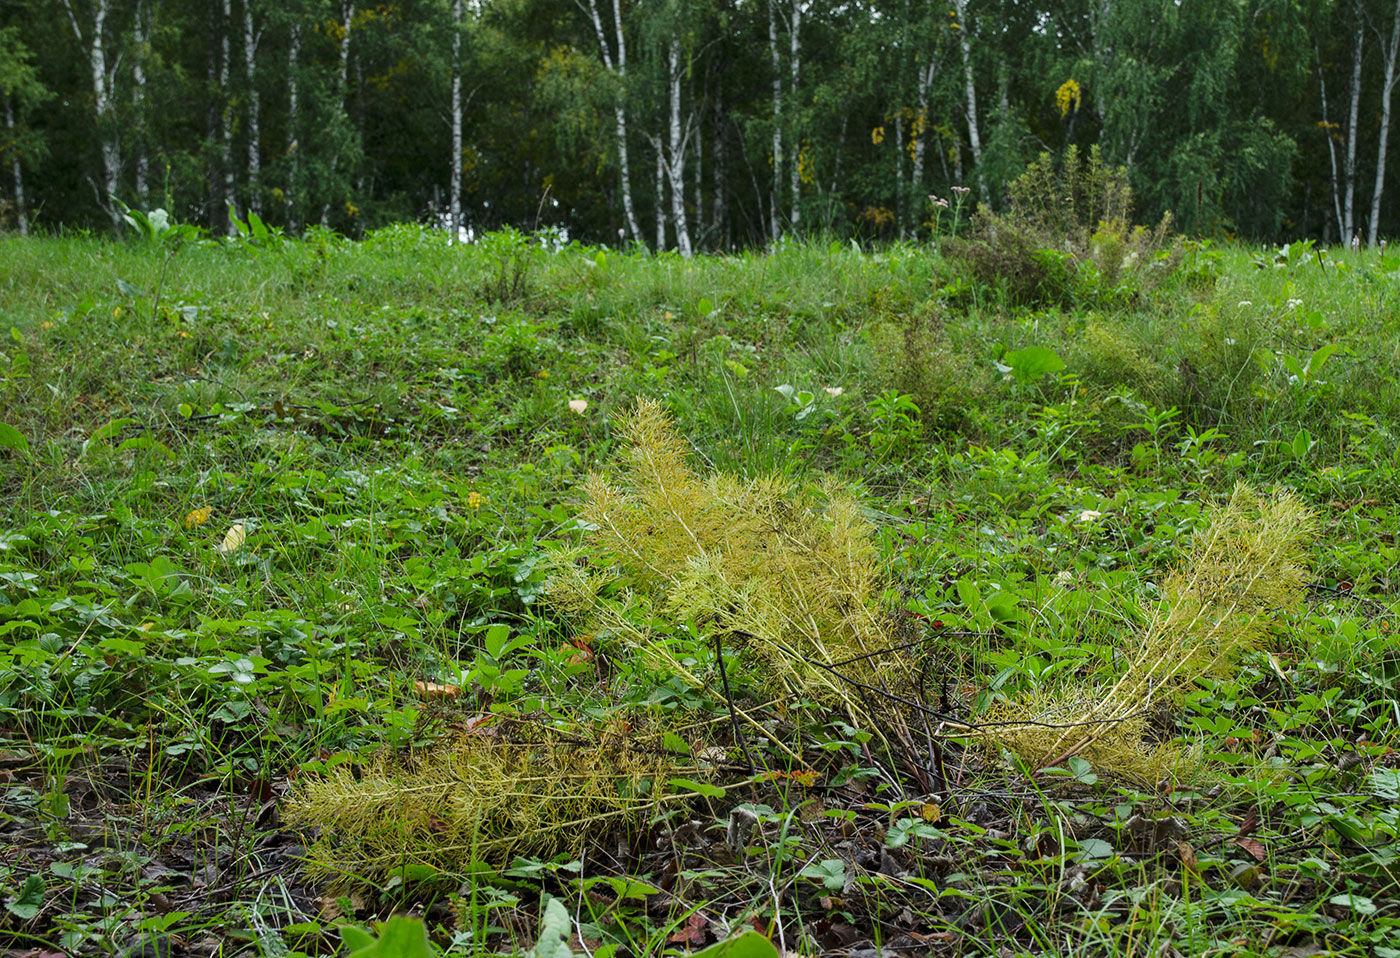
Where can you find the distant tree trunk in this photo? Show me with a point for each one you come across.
(794, 168)
(293, 119)
(900, 197)
(226, 119)
(775, 217)
(1349, 221)
(719, 177)
(138, 74)
(676, 153)
(660, 195)
(618, 67)
(454, 214)
(974, 138)
(21, 220)
(103, 74)
(1391, 51)
(920, 131)
(251, 39)
(347, 20)
(1331, 142)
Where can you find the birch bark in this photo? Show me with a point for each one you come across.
(454, 202)
(293, 121)
(102, 68)
(974, 137)
(1331, 145)
(795, 167)
(138, 102)
(226, 121)
(251, 39)
(618, 67)
(1391, 51)
(675, 160)
(1349, 222)
(774, 205)
(21, 220)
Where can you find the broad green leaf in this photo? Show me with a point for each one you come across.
(12, 438)
(831, 872)
(1033, 363)
(970, 596)
(1082, 770)
(399, 937)
(1302, 444)
(1357, 903)
(1093, 848)
(555, 931)
(750, 944)
(690, 785)
(30, 899)
(1319, 358)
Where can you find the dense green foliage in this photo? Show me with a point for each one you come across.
(740, 122)
(278, 511)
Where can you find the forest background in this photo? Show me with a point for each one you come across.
(690, 124)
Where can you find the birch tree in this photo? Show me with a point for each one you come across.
(1391, 50)
(1349, 221)
(102, 60)
(454, 188)
(20, 91)
(141, 49)
(774, 204)
(251, 38)
(616, 64)
(974, 136)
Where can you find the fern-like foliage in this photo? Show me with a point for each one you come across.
(1247, 565)
(788, 573)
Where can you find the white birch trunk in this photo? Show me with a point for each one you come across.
(293, 119)
(1331, 145)
(138, 99)
(974, 138)
(617, 67)
(454, 186)
(251, 39)
(774, 206)
(900, 198)
(21, 220)
(104, 108)
(660, 195)
(1373, 233)
(1348, 209)
(225, 117)
(795, 57)
(676, 159)
(920, 132)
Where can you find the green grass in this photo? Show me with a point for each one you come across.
(389, 424)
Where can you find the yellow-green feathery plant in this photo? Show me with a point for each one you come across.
(792, 574)
(481, 799)
(1245, 566)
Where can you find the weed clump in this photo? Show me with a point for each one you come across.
(1247, 565)
(793, 575)
(912, 355)
(478, 798)
(1066, 238)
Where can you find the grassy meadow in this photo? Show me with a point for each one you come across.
(341, 580)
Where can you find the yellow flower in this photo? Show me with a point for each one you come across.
(1068, 97)
(198, 517)
(475, 500)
